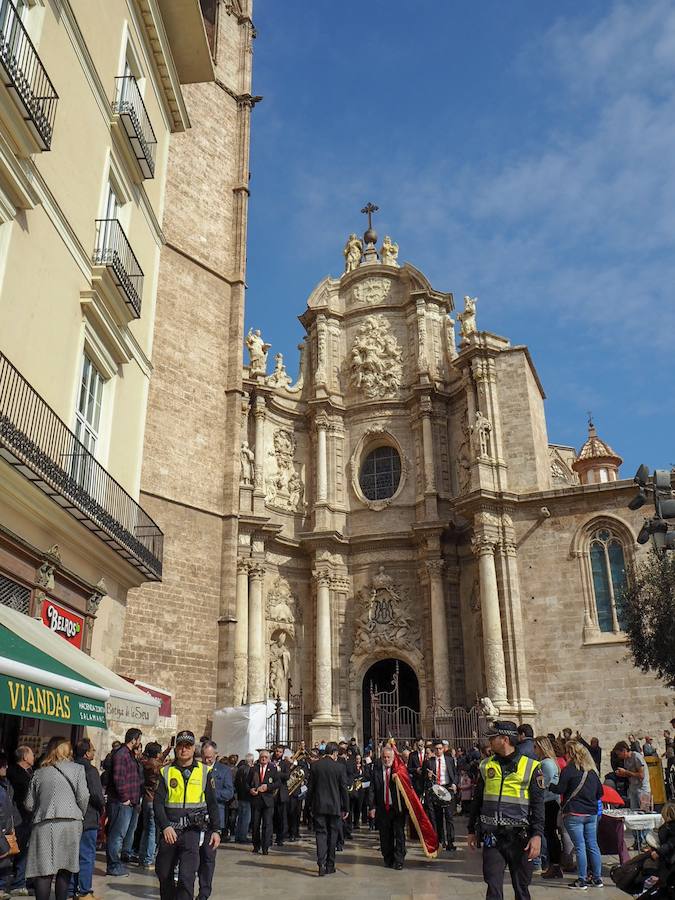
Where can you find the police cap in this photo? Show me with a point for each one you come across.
(505, 729)
(185, 737)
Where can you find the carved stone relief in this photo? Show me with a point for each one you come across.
(371, 291)
(375, 360)
(282, 604)
(464, 459)
(280, 664)
(385, 620)
(279, 377)
(480, 432)
(284, 487)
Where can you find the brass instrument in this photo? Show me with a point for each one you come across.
(356, 785)
(297, 777)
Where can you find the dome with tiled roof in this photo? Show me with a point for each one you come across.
(596, 462)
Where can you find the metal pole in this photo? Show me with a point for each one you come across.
(277, 730)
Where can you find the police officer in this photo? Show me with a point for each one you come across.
(508, 809)
(185, 795)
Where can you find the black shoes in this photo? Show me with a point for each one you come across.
(322, 871)
(398, 866)
(330, 870)
(256, 850)
(266, 853)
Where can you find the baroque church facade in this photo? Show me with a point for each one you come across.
(400, 505)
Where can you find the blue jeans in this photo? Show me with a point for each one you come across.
(81, 883)
(243, 821)
(584, 833)
(146, 853)
(119, 819)
(128, 842)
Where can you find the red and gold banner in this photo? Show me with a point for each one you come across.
(423, 827)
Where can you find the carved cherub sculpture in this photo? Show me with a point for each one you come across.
(389, 252)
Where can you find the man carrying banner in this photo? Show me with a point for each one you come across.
(388, 808)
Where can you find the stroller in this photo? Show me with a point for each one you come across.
(645, 878)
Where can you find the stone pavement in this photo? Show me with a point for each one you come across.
(289, 873)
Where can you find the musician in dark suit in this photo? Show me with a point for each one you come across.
(345, 825)
(263, 780)
(281, 800)
(416, 768)
(441, 769)
(328, 800)
(388, 809)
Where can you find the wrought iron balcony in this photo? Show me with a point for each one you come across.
(39, 444)
(112, 250)
(25, 77)
(128, 105)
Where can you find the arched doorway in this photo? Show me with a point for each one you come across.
(391, 689)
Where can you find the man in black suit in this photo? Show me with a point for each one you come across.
(416, 767)
(281, 799)
(347, 763)
(328, 800)
(441, 769)
(263, 779)
(388, 809)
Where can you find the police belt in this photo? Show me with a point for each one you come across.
(196, 821)
(507, 833)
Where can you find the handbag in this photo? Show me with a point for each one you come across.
(628, 877)
(575, 791)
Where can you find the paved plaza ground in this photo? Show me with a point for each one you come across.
(289, 873)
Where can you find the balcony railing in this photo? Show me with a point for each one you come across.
(128, 105)
(25, 77)
(40, 445)
(112, 250)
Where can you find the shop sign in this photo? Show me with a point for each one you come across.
(119, 709)
(25, 698)
(63, 622)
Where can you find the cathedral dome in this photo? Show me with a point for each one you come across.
(596, 462)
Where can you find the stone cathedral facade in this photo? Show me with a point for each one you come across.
(401, 501)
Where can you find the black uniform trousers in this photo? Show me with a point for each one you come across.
(443, 823)
(262, 826)
(294, 804)
(326, 829)
(509, 850)
(207, 867)
(391, 826)
(281, 820)
(185, 854)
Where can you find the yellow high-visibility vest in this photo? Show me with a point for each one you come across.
(182, 794)
(506, 799)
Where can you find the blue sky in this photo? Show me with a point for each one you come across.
(520, 151)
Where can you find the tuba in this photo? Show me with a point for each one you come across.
(297, 777)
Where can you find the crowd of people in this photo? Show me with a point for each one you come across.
(168, 809)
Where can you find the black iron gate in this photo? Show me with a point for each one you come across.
(388, 718)
(286, 725)
(460, 726)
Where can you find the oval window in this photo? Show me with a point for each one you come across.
(380, 473)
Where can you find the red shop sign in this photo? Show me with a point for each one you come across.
(64, 622)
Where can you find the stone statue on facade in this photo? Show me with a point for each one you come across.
(375, 360)
(488, 708)
(281, 603)
(280, 666)
(257, 350)
(481, 435)
(280, 377)
(467, 318)
(389, 252)
(353, 252)
(284, 487)
(247, 464)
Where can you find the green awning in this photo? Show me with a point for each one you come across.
(34, 684)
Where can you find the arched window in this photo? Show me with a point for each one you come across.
(608, 568)
(380, 473)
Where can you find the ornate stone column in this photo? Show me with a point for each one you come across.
(259, 410)
(493, 647)
(323, 689)
(241, 632)
(428, 446)
(321, 461)
(518, 681)
(256, 669)
(439, 632)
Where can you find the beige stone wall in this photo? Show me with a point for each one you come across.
(593, 687)
(178, 634)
